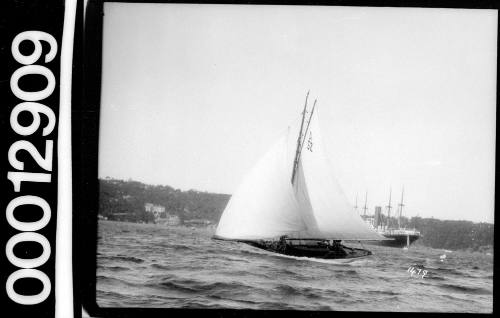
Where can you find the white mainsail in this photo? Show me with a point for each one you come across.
(317, 191)
(267, 205)
(264, 205)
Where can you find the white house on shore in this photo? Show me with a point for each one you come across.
(160, 216)
(156, 210)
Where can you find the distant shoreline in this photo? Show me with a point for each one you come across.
(137, 202)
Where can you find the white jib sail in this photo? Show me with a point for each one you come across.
(264, 206)
(319, 194)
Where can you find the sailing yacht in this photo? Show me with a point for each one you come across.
(295, 207)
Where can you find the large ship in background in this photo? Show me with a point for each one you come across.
(384, 225)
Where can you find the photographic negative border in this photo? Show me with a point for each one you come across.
(85, 130)
(44, 31)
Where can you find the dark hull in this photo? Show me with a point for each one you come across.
(399, 240)
(324, 252)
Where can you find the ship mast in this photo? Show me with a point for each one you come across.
(356, 204)
(401, 205)
(365, 208)
(389, 209)
(299, 141)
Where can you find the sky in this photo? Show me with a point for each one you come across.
(193, 95)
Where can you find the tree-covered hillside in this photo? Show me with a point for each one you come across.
(453, 235)
(125, 200)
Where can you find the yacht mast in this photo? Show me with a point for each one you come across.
(307, 129)
(299, 140)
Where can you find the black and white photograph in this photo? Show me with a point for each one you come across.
(296, 157)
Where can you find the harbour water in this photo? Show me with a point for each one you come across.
(148, 265)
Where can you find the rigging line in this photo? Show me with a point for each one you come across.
(307, 128)
(296, 160)
(301, 144)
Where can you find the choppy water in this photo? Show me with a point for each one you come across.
(146, 265)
